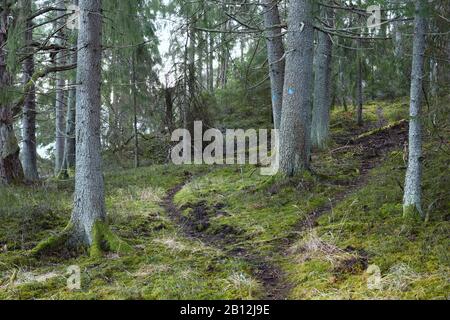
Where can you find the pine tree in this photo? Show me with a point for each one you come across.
(412, 202)
(275, 53)
(29, 152)
(320, 126)
(295, 134)
(10, 166)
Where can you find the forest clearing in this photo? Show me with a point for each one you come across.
(98, 99)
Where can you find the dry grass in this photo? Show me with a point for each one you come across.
(243, 282)
(314, 247)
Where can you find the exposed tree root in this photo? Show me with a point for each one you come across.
(372, 146)
(397, 124)
(413, 213)
(54, 243)
(103, 240)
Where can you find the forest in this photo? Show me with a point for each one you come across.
(224, 150)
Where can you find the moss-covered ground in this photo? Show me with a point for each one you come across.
(359, 247)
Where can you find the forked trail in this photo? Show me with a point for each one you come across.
(371, 149)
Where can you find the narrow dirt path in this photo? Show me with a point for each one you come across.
(371, 151)
(262, 268)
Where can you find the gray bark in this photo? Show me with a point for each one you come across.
(359, 85)
(10, 167)
(398, 36)
(210, 64)
(135, 120)
(60, 104)
(398, 41)
(224, 55)
(275, 54)
(69, 144)
(295, 133)
(29, 153)
(412, 195)
(359, 72)
(89, 202)
(320, 126)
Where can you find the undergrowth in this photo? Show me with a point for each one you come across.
(361, 249)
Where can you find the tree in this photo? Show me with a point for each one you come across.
(69, 143)
(275, 54)
(295, 134)
(60, 104)
(135, 119)
(87, 227)
(320, 126)
(359, 77)
(359, 83)
(29, 153)
(412, 205)
(10, 167)
(89, 204)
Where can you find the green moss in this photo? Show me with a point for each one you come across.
(411, 212)
(103, 239)
(412, 256)
(259, 213)
(382, 129)
(53, 243)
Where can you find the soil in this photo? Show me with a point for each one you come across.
(370, 149)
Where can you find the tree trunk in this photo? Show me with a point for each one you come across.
(199, 64)
(275, 54)
(211, 63)
(224, 54)
(69, 144)
(398, 37)
(10, 167)
(135, 121)
(89, 203)
(169, 109)
(359, 85)
(295, 134)
(60, 97)
(29, 153)
(412, 197)
(320, 126)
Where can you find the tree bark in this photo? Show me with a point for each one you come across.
(69, 144)
(275, 54)
(359, 84)
(60, 97)
(10, 167)
(295, 134)
(211, 64)
(412, 196)
(135, 120)
(29, 152)
(89, 203)
(320, 126)
(168, 92)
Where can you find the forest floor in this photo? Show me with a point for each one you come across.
(225, 232)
